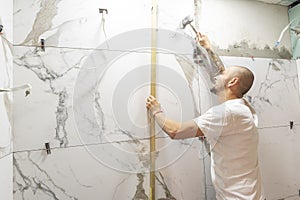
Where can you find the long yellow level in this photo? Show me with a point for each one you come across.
(153, 93)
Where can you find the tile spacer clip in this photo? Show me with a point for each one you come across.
(48, 149)
(42, 44)
(291, 124)
(102, 10)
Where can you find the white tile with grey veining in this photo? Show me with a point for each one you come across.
(298, 71)
(46, 114)
(84, 176)
(5, 101)
(186, 172)
(6, 77)
(68, 174)
(76, 23)
(275, 93)
(277, 147)
(6, 174)
(6, 20)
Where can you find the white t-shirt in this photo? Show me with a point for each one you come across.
(230, 129)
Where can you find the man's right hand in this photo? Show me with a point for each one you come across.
(219, 66)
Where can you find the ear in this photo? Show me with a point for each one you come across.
(234, 81)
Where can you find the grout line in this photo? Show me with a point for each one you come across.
(96, 49)
(84, 145)
(277, 126)
(123, 141)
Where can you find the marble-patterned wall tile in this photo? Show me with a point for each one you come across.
(6, 177)
(76, 23)
(298, 70)
(82, 176)
(187, 173)
(6, 19)
(55, 21)
(6, 77)
(279, 160)
(46, 114)
(5, 98)
(6, 124)
(274, 94)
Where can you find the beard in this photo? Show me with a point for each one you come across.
(213, 90)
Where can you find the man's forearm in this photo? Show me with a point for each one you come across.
(216, 59)
(177, 130)
(205, 43)
(168, 126)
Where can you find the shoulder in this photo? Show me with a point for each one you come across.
(240, 109)
(237, 106)
(216, 115)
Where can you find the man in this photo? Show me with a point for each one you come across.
(230, 129)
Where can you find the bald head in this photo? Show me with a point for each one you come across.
(245, 76)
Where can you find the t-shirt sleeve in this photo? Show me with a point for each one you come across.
(212, 123)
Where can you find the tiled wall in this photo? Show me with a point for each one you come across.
(88, 101)
(89, 104)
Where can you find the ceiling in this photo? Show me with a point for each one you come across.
(279, 2)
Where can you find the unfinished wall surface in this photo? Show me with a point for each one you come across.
(245, 28)
(6, 19)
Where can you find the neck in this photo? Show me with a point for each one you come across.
(224, 96)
